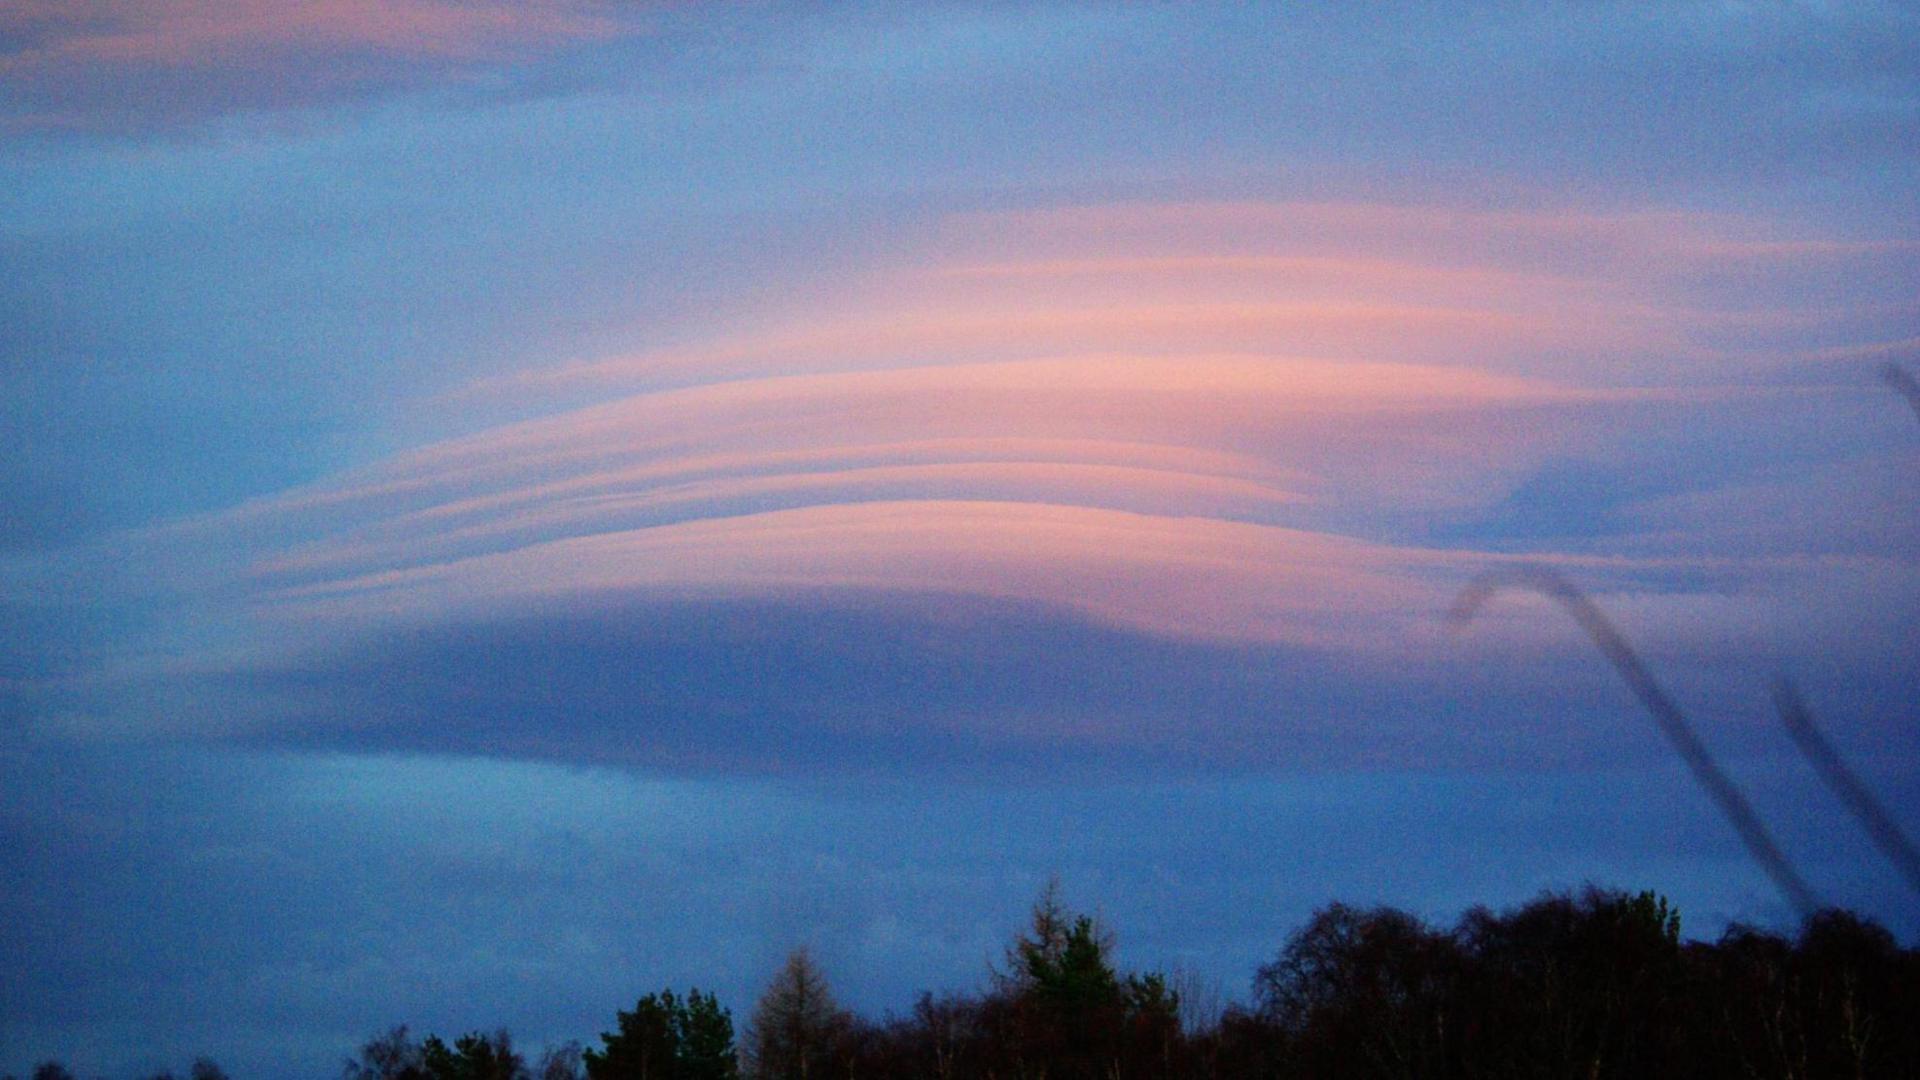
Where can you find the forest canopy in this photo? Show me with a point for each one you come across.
(1598, 983)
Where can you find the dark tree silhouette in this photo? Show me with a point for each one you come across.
(1860, 998)
(391, 1055)
(563, 1062)
(796, 1028)
(1070, 1012)
(1582, 986)
(666, 1038)
(1373, 982)
(473, 1056)
(1586, 986)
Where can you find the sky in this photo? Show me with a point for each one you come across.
(506, 507)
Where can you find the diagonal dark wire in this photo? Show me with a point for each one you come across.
(1666, 714)
(1814, 746)
(1898, 378)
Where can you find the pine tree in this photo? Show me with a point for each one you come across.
(666, 1038)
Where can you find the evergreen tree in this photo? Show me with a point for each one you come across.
(706, 1040)
(665, 1038)
(473, 1057)
(1074, 1014)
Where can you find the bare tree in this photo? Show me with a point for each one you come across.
(795, 1025)
(1202, 1001)
(560, 1063)
(391, 1055)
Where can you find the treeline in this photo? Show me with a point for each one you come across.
(1592, 985)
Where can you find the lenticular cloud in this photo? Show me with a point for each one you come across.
(1238, 424)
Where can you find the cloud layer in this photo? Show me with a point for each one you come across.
(119, 64)
(1184, 423)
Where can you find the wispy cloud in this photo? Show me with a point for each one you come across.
(108, 64)
(1599, 297)
(193, 33)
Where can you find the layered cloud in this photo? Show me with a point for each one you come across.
(1658, 298)
(131, 63)
(1226, 438)
(194, 32)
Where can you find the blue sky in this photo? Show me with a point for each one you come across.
(511, 506)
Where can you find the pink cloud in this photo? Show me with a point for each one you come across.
(129, 65)
(1172, 427)
(1198, 422)
(1190, 399)
(980, 328)
(1444, 234)
(1180, 576)
(490, 525)
(1228, 438)
(1610, 298)
(186, 33)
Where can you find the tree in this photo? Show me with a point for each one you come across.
(1361, 987)
(203, 1068)
(795, 1025)
(665, 1038)
(563, 1062)
(1746, 1007)
(706, 1040)
(1061, 960)
(1851, 983)
(1074, 1013)
(942, 1028)
(473, 1057)
(391, 1055)
(1588, 986)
